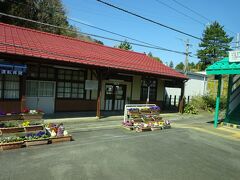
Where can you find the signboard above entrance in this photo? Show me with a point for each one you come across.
(234, 56)
(12, 69)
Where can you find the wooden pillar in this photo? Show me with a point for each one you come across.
(22, 92)
(182, 98)
(99, 77)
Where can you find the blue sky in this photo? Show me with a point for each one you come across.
(92, 12)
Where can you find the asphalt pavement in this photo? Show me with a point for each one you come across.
(104, 150)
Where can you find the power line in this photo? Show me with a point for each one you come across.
(179, 12)
(116, 40)
(200, 15)
(111, 32)
(104, 30)
(147, 19)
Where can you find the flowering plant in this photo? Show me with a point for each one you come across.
(133, 110)
(127, 123)
(35, 136)
(155, 108)
(11, 139)
(25, 123)
(28, 111)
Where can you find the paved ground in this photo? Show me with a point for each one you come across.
(192, 149)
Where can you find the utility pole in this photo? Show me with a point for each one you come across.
(187, 54)
(238, 39)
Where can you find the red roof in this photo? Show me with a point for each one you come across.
(28, 42)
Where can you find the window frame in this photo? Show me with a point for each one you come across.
(65, 80)
(4, 90)
(145, 87)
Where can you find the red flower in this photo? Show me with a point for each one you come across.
(25, 110)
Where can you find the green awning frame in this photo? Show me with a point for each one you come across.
(219, 68)
(223, 67)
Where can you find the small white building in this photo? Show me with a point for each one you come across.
(195, 86)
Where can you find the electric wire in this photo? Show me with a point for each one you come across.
(147, 19)
(94, 35)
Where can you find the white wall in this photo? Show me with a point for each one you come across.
(196, 85)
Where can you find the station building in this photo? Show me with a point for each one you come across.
(54, 73)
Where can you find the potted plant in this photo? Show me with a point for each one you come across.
(142, 127)
(29, 127)
(31, 114)
(128, 125)
(155, 109)
(10, 127)
(145, 110)
(9, 116)
(7, 143)
(58, 133)
(39, 138)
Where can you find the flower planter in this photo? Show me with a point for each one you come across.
(60, 139)
(36, 142)
(143, 129)
(10, 117)
(128, 127)
(31, 116)
(11, 130)
(156, 128)
(11, 145)
(33, 128)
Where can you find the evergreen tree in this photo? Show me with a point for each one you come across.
(154, 57)
(125, 45)
(171, 64)
(46, 11)
(180, 66)
(214, 45)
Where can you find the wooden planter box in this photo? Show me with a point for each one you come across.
(11, 130)
(33, 128)
(11, 145)
(156, 128)
(36, 142)
(60, 139)
(143, 129)
(128, 127)
(13, 117)
(30, 117)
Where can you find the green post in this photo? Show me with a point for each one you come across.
(217, 101)
(230, 84)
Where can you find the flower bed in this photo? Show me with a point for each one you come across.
(31, 114)
(7, 143)
(33, 128)
(36, 142)
(11, 145)
(9, 117)
(60, 139)
(11, 130)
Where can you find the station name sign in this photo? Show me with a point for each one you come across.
(234, 56)
(12, 69)
(11, 72)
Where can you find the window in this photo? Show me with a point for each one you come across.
(153, 90)
(11, 87)
(32, 88)
(47, 72)
(70, 84)
(42, 72)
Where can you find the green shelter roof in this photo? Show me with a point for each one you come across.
(223, 67)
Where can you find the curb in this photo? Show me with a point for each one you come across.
(230, 125)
